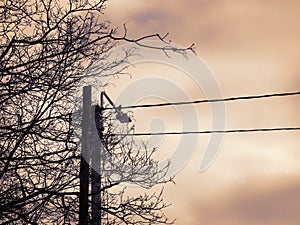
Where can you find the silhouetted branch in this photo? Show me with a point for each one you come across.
(46, 49)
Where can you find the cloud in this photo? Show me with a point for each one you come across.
(253, 48)
(224, 25)
(274, 201)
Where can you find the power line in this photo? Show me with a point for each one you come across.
(215, 131)
(210, 100)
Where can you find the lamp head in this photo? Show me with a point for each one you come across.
(122, 117)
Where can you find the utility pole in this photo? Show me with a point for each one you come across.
(85, 156)
(97, 150)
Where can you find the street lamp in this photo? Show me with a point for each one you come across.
(97, 134)
(92, 133)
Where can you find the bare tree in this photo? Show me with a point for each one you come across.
(45, 48)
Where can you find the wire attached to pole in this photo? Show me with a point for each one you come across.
(209, 100)
(214, 131)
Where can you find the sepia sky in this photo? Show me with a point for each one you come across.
(252, 47)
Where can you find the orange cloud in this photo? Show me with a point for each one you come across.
(273, 202)
(253, 48)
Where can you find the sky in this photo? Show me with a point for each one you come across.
(251, 47)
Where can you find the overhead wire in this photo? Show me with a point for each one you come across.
(209, 100)
(214, 131)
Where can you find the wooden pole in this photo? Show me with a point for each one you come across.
(96, 148)
(85, 156)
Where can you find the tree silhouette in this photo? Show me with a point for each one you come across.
(45, 50)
